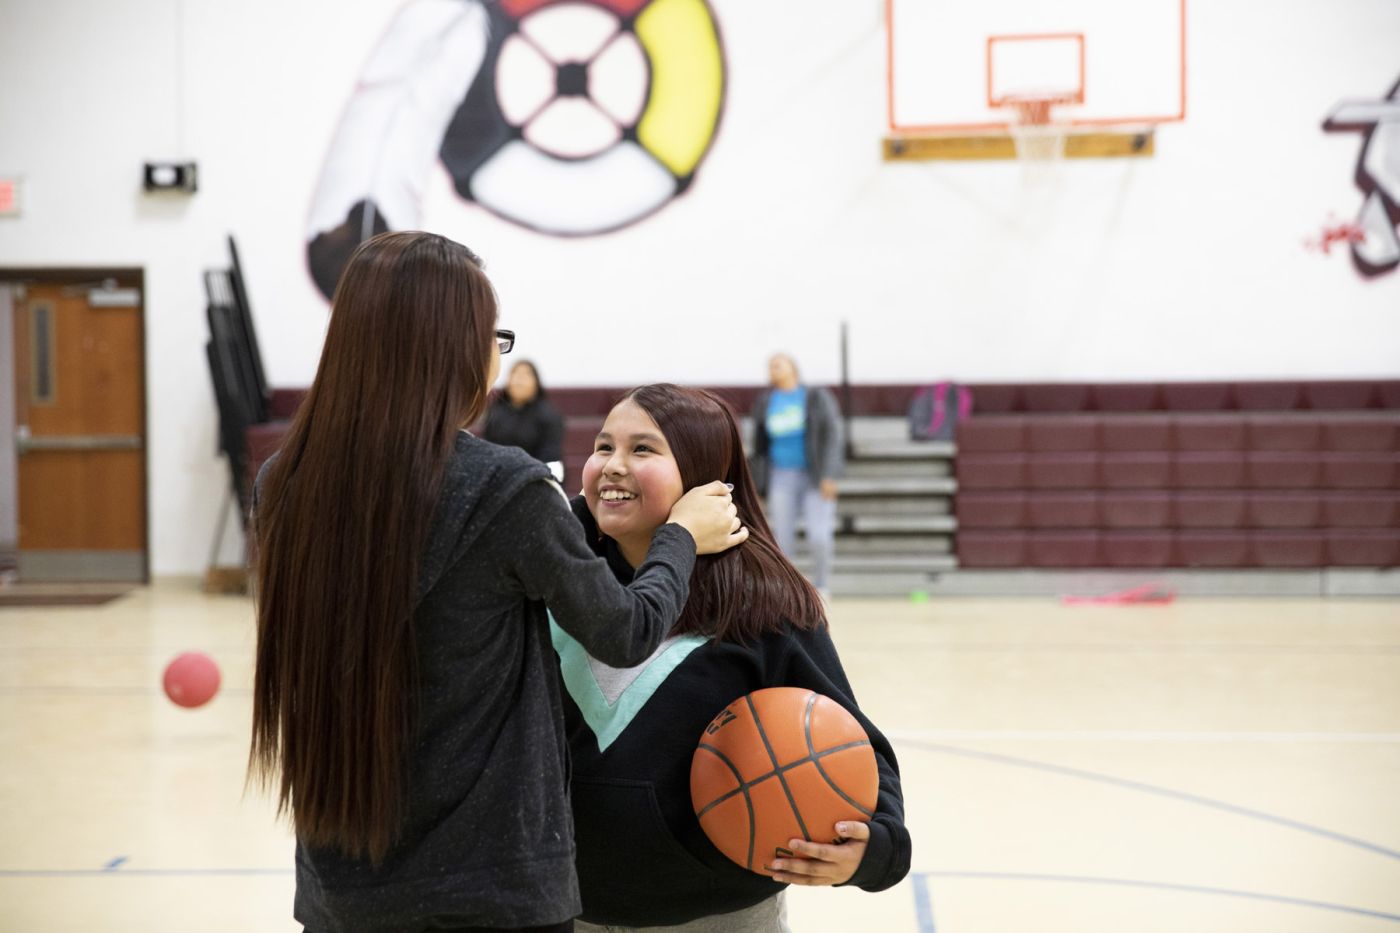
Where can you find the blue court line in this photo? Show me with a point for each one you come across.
(1110, 648)
(923, 904)
(1159, 791)
(1150, 885)
(143, 872)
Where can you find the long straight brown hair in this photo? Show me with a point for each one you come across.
(750, 589)
(342, 517)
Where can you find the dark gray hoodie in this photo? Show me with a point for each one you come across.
(488, 839)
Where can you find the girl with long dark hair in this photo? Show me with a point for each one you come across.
(752, 621)
(406, 709)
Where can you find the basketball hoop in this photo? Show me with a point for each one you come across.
(1037, 137)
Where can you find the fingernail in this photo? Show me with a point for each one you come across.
(729, 486)
(841, 828)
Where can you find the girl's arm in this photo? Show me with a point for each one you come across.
(833, 453)
(809, 659)
(619, 625)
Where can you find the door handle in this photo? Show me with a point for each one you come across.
(25, 443)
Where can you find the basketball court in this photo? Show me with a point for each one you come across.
(1108, 294)
(1222, 764)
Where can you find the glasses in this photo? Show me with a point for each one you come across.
(505, 339)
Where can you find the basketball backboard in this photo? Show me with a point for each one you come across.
(954, 66)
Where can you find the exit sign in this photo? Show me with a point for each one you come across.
(10, 191)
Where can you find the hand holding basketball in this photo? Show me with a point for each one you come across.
(784, 764)
(823, 864)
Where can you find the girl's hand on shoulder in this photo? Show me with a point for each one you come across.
(814, 863)
(709, 514)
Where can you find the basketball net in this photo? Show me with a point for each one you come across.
(1037, 137)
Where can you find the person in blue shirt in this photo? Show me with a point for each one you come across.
(798, 454)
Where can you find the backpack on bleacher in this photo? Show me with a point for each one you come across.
(936, 409)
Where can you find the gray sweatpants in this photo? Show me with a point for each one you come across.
(768, 916)
(789, 490)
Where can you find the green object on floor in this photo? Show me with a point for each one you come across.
(918, 596)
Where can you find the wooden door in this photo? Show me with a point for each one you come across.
(80, 433)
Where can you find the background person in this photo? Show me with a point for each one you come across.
(799, 451)
(522, 416)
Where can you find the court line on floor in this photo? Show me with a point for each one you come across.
(922, 897)
(1139, 735)
(120, 872)
(1157, 791)
(248, 648)
(921, 882)
(70, 690)
(1147, 648)
(156, 651)
(923, 903)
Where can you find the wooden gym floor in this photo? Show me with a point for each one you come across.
(1215, 765)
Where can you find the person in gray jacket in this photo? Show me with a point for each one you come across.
(406, 707)
(798, 454)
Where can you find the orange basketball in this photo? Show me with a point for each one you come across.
(779, 764)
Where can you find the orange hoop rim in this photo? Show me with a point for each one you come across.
(1035, 109)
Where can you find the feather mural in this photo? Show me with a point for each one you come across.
(390, 133)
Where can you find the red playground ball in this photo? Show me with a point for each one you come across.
(779, 764)
(191, 679)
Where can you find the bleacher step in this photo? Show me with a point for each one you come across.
(920, 544)
(878, 524)
(884, 563)
(858, 506)
(897, 486)
(899, 469)
(903, 450)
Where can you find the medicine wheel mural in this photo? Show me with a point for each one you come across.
(568, 117)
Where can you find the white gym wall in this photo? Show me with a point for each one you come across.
(1187, 265)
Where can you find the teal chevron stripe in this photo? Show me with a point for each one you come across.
(609, 720)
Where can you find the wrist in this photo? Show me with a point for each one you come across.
(873, 864)
(678, 524)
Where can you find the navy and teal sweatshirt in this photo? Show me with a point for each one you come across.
(643, 859)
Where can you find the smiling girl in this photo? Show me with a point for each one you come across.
(751, 621)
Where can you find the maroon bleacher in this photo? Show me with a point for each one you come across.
(1221, 475)
(1202, 474)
